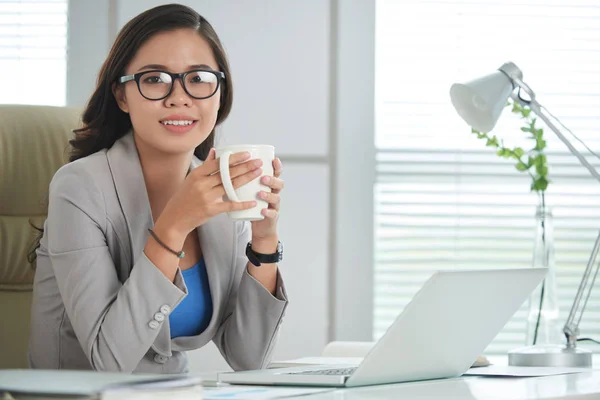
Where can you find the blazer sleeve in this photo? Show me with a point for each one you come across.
(248, 333)
(112, 321)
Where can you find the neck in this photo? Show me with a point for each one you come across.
(163, 175)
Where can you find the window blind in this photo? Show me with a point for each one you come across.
(445, 201)
(33, 51)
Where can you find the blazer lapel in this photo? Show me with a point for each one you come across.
(130, 186)
(127, 175)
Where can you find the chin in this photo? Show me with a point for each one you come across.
(175, 144)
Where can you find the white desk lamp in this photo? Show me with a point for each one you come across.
(480, 103)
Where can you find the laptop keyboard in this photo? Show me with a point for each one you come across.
(334, 371)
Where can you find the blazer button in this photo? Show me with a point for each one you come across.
(160, 317)
(159, 358)
(153, 324)
(165, 309)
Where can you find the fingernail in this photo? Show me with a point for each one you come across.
(258, 162)
(267, 180)
(262, 195)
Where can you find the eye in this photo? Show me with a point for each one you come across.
(152, 79)
(198, 77)
(155, 78)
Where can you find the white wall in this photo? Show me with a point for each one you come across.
(290, 91)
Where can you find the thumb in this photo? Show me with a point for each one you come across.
(211, 154)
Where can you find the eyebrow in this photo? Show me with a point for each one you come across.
(163, 67)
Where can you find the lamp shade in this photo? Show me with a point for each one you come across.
(480, 102)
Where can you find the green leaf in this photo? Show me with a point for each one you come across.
(522, 167)
(541, 184)
(540, 144)
(500, 152)
(540, 160)
(526, 112)
(526, 129)
(519, 152)
(474, 131)
(492, 142)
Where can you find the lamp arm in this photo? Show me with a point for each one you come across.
(571, 328)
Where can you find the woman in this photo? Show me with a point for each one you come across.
(138, 261)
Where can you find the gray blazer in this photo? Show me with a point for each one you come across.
(99, 302)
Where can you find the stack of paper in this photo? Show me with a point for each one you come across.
(99, 385)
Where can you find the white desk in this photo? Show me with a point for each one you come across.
(584, 385)
(569, 386)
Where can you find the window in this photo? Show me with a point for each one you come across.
(33, 52)
(442, 199)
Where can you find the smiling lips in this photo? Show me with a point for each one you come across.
(178, 123)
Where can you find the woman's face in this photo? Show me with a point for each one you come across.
(153, 123)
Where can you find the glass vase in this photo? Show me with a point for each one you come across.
(543, 321)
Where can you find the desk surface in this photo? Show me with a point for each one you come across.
(584, 385)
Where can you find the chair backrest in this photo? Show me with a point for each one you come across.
(33, 145)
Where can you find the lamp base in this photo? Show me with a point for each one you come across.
(550, 356)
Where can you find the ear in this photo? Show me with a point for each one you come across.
(119, 93)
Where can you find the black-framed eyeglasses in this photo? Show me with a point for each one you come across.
(157, 85)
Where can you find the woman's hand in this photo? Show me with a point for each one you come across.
(266, 230)
(201, 196)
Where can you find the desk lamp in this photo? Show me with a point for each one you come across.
(480, 103)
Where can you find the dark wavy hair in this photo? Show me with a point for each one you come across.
(103, 121)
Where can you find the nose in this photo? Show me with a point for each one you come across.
(178, 96)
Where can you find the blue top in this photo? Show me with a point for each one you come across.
(192, 315)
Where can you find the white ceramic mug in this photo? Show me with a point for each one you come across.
(250, 190)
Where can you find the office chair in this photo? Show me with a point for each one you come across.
(33, 145)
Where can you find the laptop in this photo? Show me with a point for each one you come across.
(439, 334)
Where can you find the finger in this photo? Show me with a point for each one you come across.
(272, 182)
(249, 167)
(241, 169)
(219, 190)
(272, 198)
(211, 154)
(210, 167)
(229, 206)
(269, 213)
(277, 167)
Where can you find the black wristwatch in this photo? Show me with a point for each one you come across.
(257, 258)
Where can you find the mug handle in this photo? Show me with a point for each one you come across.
(226, 177)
